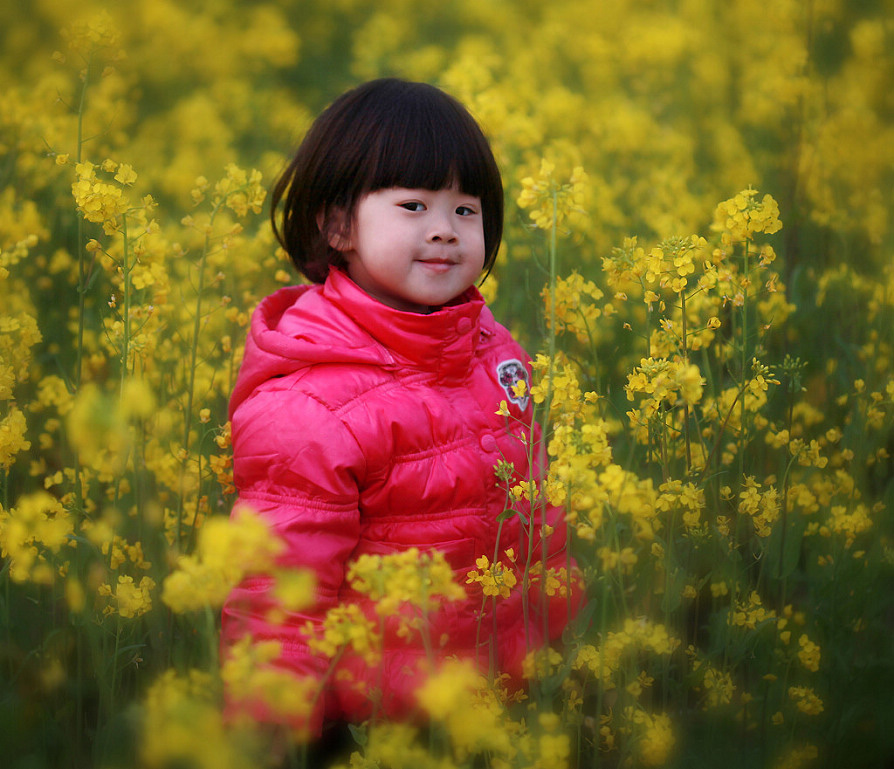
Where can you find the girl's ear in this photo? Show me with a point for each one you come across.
(334, 226)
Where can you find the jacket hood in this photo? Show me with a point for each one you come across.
(337, 322)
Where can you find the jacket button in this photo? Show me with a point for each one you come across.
(463, 325)
(488, 442)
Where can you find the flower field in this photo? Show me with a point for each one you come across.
(699, 254)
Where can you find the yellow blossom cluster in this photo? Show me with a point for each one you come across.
(685, 498)
(763, 507)
(13, 429)
(345, 626)
(806, 700)
(743, 215)
(496, 579)
(553, 201)
(101, 201)
(750, 612)
(457, 696)
(184, 724)
(226, 552)
(256, 683)
(420, 579)
(128, 598)
(576, 308)
(607, 661)
(654, 738)
(664, 382)
(718, 686)
(31, 534)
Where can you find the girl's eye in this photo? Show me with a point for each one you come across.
(414, 205)
(465, 211)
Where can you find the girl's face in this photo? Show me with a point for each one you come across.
(415, 249)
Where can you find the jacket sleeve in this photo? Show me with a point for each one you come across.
(296, 464)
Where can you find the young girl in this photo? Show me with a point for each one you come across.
(366, 416)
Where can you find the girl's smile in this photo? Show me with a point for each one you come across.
(415, 249)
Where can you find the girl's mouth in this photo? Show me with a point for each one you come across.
(438, 265)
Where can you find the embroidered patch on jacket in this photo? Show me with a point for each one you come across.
(510, 373)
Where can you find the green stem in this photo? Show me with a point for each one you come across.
(126, 270)
(741, 458)
(83, 277)
(190, 392)
(553, 277)
(685, 405)
(600, 688)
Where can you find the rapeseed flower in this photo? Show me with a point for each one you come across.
(421, 580)
(182, 724)
(128, 598)
(227, 551)
(553, 202)
(496, 579)
(809, 653)
(345, 626)
(742, 216)
(13, 428)
(100, 201)
(576, 309)
(31, 533)
(256, 685)
(654, 735)
(806, 700)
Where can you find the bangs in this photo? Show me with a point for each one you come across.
(427, 146)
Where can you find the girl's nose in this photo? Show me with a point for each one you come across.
(442, 234)
(441, 230)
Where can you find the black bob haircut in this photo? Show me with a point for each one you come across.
(382, 134)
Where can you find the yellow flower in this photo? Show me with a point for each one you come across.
(36, 527)
(806, 700)
(552, 201)
(749, 613)
(541, 663)
(742, 216)
(718, 686)
(183, 726)
(809, 653)
(448, 689)
(240, 191)
(126, 174)
(227, 551)
(764, 508)
(75, 596)
(12, 437)
(345, 625)
(98, 201)
(495, 579)
(656, 737)
(132, 600)
(254, 681)
(410, 578)
(575, 307)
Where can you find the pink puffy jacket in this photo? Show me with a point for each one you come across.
(358, 428)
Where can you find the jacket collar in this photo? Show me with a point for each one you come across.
(442, 342)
